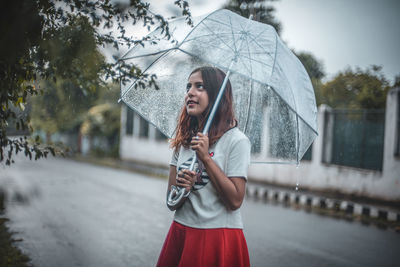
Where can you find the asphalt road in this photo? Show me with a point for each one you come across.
(76, 214)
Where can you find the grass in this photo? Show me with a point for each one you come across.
(10, 255)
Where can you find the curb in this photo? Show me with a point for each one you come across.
(350, 208)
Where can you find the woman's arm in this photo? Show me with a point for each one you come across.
(171, 177)
(185, 179)
(232, 189)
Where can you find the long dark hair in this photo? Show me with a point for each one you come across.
(224, 118)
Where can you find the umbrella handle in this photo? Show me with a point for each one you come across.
(176, 196)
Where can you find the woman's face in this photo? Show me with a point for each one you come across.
(196, 99)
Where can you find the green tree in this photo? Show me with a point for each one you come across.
(103, 121)
(356, 89)
(260, 9)
(315, 70)
(312, 65)
(61, 107)
(66, 98)
(30, 32)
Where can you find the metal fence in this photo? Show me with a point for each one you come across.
(357, 138)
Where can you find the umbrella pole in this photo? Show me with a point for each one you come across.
(213, 111)
(176, 194)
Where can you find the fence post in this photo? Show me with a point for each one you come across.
(123, 118)
(136, 124)
(323, 146)
(391, 161)
(152, 132)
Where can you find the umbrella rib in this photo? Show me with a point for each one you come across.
(223, 53)
(157, 59)
(251, 89)
(276, 48)
(254, 38)
(253, 59)
(150, 54)
(243, 32)
(231, 26)
(233, 35)
(312, 128)
(261, 33)
(201, 22)
(223, 56)
(220, 22)
(245, 66)
(216, 35)
(207, 35)
(260, 46)
(218, 47)
(295, 111)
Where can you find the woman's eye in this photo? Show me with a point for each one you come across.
(198, 86)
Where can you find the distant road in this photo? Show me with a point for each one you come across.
(77, 214)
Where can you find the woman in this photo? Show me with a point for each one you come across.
(207, 228)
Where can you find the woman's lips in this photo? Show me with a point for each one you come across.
(191, 103)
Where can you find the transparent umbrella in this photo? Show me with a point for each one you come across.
(273, 96)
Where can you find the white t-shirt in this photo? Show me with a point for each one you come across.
(203, 208)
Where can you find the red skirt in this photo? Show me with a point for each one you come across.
(192, 247)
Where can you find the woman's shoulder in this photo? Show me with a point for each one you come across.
(235, 135)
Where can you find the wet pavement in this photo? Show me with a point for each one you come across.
(77, 214)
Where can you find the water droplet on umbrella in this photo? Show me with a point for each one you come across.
(297, 178)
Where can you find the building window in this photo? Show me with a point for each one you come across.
(144, 128)
(160, 136)
(129, 121)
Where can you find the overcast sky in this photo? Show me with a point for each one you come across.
(344, 32)
(339, 33)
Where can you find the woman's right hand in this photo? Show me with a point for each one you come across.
(186, 179)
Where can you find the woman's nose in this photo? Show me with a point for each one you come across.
(190, 92)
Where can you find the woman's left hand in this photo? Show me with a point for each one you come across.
(200, 144)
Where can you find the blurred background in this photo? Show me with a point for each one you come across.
(59, 96)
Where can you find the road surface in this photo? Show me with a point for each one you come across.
(70, 213)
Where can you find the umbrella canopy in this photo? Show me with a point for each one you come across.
(273, 96)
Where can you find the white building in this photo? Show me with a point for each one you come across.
(143, 143)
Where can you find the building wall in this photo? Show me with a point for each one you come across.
(142, 149)
(312, 174)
